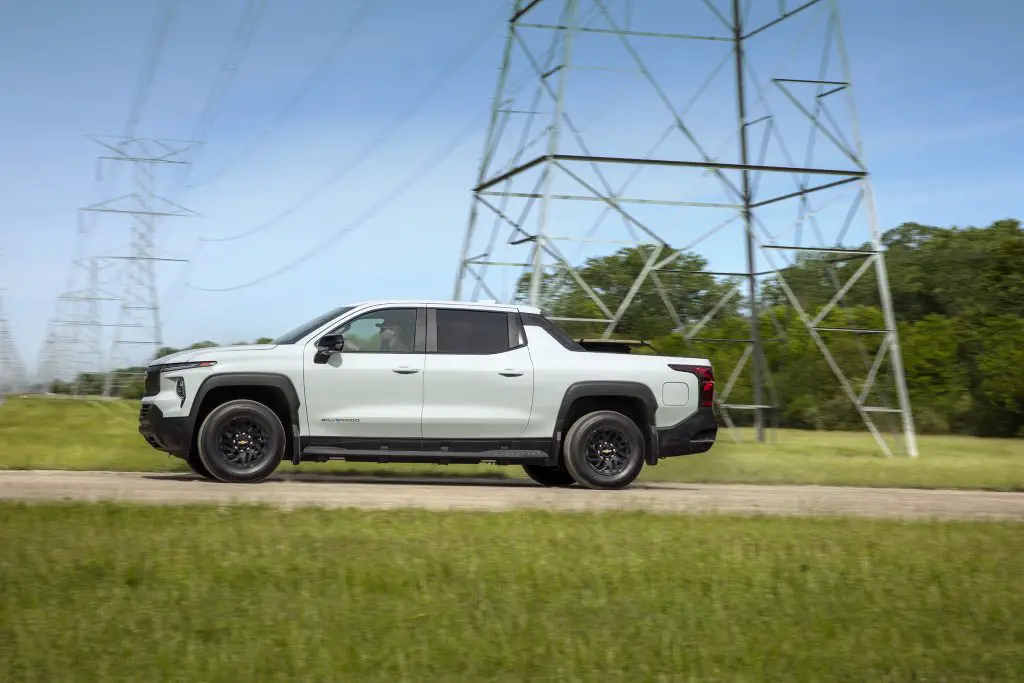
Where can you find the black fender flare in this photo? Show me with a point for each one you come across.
(250, 379)
(637, 390)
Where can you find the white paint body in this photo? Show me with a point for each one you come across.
(514, 394)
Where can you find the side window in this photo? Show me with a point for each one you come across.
(390, 330)
(472, 332)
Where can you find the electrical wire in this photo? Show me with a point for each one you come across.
(463, 56)
(237, 49)
(419, 174)
(300, 93)
(148, 72)
(143, 89)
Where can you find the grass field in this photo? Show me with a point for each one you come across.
(118, 593)
(42, 433)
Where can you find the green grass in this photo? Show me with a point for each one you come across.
(41, 433)
(120, 593)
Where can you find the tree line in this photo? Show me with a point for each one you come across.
(958, 295)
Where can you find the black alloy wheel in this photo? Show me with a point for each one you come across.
(607, 450)
(241, 441)
(604, 450)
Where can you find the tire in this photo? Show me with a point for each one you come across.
(197, 465)
(236, 460)
(549, 476)
(601, 470)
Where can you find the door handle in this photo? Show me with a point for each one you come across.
(509, 372)
(405, 370)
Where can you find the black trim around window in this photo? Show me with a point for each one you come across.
(554, 330)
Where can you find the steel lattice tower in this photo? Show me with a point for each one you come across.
(550, 186)
(138, 321)
(75, 343)
(12, 370)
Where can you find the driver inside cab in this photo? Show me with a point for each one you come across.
(392, 336)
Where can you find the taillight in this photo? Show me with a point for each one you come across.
(705, 382)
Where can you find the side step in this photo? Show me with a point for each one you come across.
(384, 455)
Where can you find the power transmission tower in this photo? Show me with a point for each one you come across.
(12, 370)
(75, 344)
(138, 321)
(552, 186)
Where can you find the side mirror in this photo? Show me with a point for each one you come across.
(331, 342)
(326, 346)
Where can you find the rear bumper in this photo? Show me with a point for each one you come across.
(168, 434)
(695, 434)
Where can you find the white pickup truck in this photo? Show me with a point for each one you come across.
(430, 382)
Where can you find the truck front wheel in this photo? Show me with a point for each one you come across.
(196, 464)
(241, 441)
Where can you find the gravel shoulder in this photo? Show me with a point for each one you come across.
(289, 491)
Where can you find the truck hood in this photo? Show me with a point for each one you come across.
(210, 353)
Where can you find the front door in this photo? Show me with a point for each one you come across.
(373, 388)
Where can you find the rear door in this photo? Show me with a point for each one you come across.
(478, 376)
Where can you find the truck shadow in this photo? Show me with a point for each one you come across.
(384, 480)
(360, 478)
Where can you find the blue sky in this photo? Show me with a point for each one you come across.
(940, 104)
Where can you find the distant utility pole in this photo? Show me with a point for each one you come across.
(138, 321)
(550, 180)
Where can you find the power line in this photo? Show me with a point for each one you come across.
(54, 347)
(197, 245)
(311, 78)
(148, 72)
(237, 49)
(407, 183)
(479, 38)
(401, 188)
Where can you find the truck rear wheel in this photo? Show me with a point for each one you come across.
(604, 450)
(241, 441)
(546, 475)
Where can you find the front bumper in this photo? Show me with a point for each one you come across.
(695, 434)
(169, 434)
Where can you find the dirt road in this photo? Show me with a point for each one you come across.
(481, 494)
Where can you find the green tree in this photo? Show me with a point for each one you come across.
(685, 284)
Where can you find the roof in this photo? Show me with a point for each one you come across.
(486, 304)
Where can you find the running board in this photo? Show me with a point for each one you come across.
(383, 455)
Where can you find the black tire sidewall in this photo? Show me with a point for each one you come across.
(546, 475)
(209, 433)
(196, 463)
(575, 453)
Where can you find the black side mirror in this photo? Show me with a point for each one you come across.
(331, 342)
(327, 345)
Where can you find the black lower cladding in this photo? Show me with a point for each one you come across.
(364, 449)
(695, 434)
(168, 434)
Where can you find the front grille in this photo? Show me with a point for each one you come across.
(152, 383)
(143, 410)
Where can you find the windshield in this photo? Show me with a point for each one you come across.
(304, 329)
